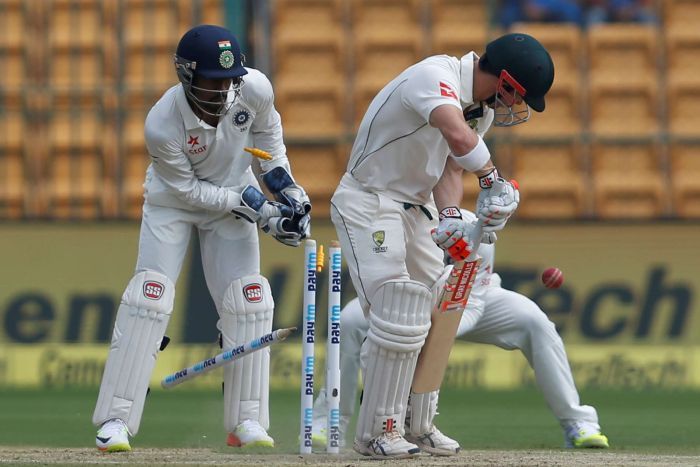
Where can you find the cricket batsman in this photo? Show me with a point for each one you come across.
(493, 316)
(419, 135)
(201, 178)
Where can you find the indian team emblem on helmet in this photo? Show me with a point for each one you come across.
(226, 58)
(378, 238)
(153, 290)
(253, 293)
(240, 118)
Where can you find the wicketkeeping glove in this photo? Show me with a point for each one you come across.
(273, 218)
(286, 191)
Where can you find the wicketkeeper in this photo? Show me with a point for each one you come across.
(418, 136)
(493, 316)
(201, 177)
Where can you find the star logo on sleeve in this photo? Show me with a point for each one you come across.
(447, 91)
(194, 141)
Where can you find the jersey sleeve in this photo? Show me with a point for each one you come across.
(174, 169)
(266, 128)
(428, 88)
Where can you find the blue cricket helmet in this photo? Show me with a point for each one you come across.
(210, 52)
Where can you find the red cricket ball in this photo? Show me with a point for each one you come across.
(552, 278)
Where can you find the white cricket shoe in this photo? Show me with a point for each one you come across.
(389, 445)
(249, 433)
(585, 435)
(113, 436)
(435, 443)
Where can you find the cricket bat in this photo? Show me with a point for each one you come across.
(433, 358)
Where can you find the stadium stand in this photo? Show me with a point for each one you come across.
(627, 180)
(82, 74)
(551, 178)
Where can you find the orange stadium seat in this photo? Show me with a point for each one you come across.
(623, 50)
(12, 25)
(624, 108)
(683, 51)
(14, 73)
(75, 130)
(149, 69)
(681, 13)
(683, 103)
(310, 18)
(551, 178)
(315, 111)
(458, 14)
(387, 17)
(471, 39)
(685, 178)
(12, 185)
(318, 168)
(155, 23)
(307, 59)
(212, 11)
(78, 69)
(458, 26)
(78, 188)
(74, 24)
(562, 41)
(627, 180)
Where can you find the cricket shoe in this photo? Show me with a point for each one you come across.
(113, 436)
(435, 443)
(585, 435)
(388, 445)
(250, 434)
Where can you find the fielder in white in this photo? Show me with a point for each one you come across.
(418, 136)
(201, 177)
(493, 316)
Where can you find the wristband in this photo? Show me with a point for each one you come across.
(451, 211)
(487, 181)
(476, 158)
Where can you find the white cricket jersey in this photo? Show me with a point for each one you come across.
(197, 166)
(396, 151)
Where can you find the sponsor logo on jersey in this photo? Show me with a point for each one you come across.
(195, 148)
(153, 290)
(447, 91)
(253, 293)
(240, 118)
(378, 238)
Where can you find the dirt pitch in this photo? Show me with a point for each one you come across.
(175, 457)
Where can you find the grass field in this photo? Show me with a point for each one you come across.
(654, 422)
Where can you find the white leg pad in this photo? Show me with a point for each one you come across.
(141, 322)
(246, 314)
(421, 412)
(399, 321)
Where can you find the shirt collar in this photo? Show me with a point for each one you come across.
(466, 79)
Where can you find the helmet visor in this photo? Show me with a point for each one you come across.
(510, 107)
